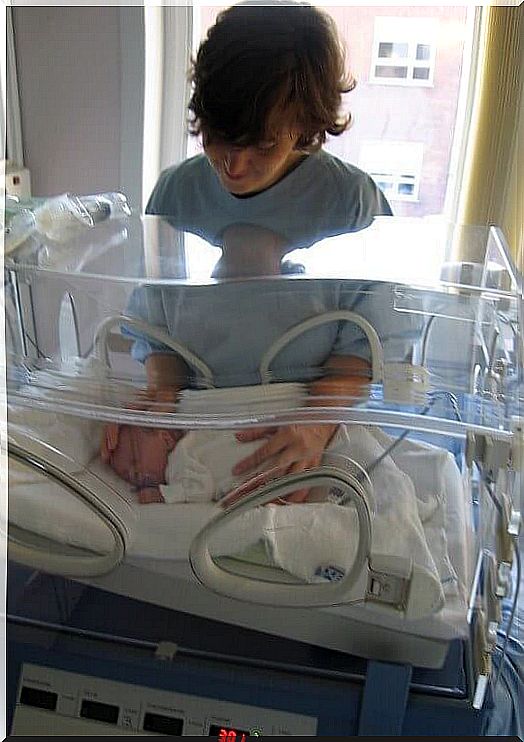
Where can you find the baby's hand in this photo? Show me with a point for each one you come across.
(148, 495)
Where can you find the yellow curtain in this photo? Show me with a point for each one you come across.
(492, 187)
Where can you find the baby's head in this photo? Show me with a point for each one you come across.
(141, 454)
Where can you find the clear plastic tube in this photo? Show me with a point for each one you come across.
(61, 217)
(20, 228)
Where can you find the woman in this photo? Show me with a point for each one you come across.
(268, 83)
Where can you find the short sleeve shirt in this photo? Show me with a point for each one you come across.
(322, 197)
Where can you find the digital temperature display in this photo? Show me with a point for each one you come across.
(227, 734)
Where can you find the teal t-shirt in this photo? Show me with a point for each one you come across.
(231, 325)
(323, 196)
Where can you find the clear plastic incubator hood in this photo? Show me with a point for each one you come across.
(329, 439)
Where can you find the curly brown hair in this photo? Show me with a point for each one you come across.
(261, 65)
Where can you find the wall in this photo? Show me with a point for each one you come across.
(80, 73)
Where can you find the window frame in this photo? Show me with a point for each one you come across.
(463, 123)
(402, 174)
(412, 34)
(397, 180)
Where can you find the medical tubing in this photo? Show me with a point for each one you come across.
(377, 353)
(516, 334)
(76, 324)
(494, 499)
(100, 345)
(453, 400)
(58, 215)
(369, 469)
(425, 338)
(498, 506)
(395, 443)
(258, 591)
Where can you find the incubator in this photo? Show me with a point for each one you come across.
(336, 462)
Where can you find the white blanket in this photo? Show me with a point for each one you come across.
(410, 489)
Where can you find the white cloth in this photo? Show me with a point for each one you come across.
(199, 468)
(308, 539)
(435, 475)
(79, 440)
(410, 487)
(40, 506)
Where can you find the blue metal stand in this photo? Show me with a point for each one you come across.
(384, 699)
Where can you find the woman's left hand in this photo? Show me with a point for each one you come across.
(290, 449)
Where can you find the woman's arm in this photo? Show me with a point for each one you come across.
(166, 375)
(166, 371)
(345, 376)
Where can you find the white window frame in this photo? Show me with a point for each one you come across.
(467, 88)
(408, 172)
(168, 46)
(411, 32)
(393, 193)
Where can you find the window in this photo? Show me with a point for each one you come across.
(408, 130)
(395, 167)
(403, 51)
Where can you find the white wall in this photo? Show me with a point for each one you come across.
(80, 72)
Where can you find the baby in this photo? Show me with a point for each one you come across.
(200, 470)
(140, 457)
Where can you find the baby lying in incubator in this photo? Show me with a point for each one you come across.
(168, 466)
(409, 515)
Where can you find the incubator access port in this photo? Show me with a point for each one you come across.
(105, 712)
(161, 724)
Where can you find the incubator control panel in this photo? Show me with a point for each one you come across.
(60, 702)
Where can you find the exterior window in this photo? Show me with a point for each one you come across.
(403, 51)
(411, 107)
(395, 167)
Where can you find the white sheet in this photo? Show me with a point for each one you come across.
(41, 506)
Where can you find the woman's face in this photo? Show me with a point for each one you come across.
(244, 171)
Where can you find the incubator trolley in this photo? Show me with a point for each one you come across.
(384, 545)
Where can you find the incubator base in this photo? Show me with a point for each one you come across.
(211, 667)
(337, 628)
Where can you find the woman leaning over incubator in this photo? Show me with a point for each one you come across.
(268, 83)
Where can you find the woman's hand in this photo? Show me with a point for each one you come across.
(289, 449)
(296, 448)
